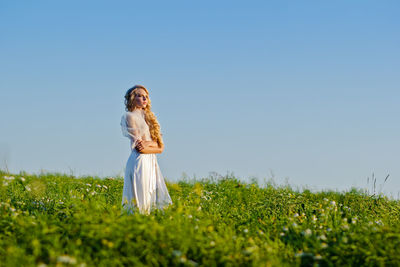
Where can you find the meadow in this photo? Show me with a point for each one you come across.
(55, 219)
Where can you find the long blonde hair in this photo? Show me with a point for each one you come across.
(150, 118)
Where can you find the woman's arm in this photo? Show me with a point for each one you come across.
(150, 143)
(151, 150)
(149, 147)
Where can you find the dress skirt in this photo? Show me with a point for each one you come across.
(144, 186)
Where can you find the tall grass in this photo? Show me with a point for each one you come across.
(58, 220)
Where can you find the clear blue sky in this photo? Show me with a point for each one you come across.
(305, 91)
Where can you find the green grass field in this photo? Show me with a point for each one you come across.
(60, 220)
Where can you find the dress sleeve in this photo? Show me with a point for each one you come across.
(130, 129)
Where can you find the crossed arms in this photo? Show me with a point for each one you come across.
(148, 147)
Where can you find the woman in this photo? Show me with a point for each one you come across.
(144, 185)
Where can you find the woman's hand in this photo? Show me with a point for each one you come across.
(140, 145)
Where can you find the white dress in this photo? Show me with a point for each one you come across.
(144, 186)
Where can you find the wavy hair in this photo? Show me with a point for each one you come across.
(150, 118)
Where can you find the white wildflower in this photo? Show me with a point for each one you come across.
(22, 179)
(318, 257)
(104, 186)
(66, 259)
(307, 232)
(9, 178)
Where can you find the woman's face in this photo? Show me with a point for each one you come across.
(141, 99)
